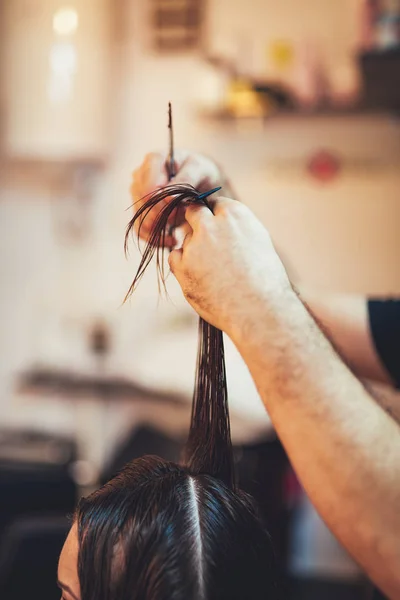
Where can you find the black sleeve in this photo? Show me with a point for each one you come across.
(384, 320)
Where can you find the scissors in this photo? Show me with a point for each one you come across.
(171, 167)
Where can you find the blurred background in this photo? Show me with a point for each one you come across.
(299, 102)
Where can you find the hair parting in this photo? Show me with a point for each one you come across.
(208, 449)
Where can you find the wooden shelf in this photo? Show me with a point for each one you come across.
(74, 386)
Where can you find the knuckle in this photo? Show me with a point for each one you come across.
(171, 263)
(195, 161)
(201, 229)
(239, 207)
(223, 212)
(189, 295)
(232, 209)
(188, 288)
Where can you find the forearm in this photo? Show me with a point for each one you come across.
(344, 447)
(345, 321)
(389, 400)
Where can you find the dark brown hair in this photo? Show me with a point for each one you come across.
(208, 449)
(163, 531)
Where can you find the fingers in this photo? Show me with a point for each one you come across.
(175, 257)
(197, 215)
(147, 178)
(191, 171)
(153, 173)
(185, 231)
(221, 205)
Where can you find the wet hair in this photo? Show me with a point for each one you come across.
(166, 531)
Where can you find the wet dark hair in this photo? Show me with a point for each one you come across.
(163, 531)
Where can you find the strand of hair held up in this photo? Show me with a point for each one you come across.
(208, 448)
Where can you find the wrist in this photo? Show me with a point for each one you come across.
(263, 312)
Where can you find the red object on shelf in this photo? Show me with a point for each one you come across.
(324, 166)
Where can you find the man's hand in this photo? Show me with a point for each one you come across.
(195, 169)
(344, 447)
(227, 265)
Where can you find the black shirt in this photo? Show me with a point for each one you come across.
(384, 319)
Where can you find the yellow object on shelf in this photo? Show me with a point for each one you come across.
(242, 101)
(281, 54)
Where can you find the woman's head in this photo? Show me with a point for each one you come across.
(161, 531)
(158, 532)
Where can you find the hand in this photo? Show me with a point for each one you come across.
(195, 169)
(227, 266)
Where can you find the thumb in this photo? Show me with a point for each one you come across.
(174, 261)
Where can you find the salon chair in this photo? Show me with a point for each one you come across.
(37, 492)
(29, 551)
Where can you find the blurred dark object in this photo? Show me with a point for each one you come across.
(262, 472)
(35, 476)
(72, 386)
(34, 448)
(100, 339)
(222, 63)
(380, 72)
(37, 491)
(29, 551)
(279, 95)
(326, 589)
(378, 596)
(177, 24)
(142, 441)
(380, 24)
